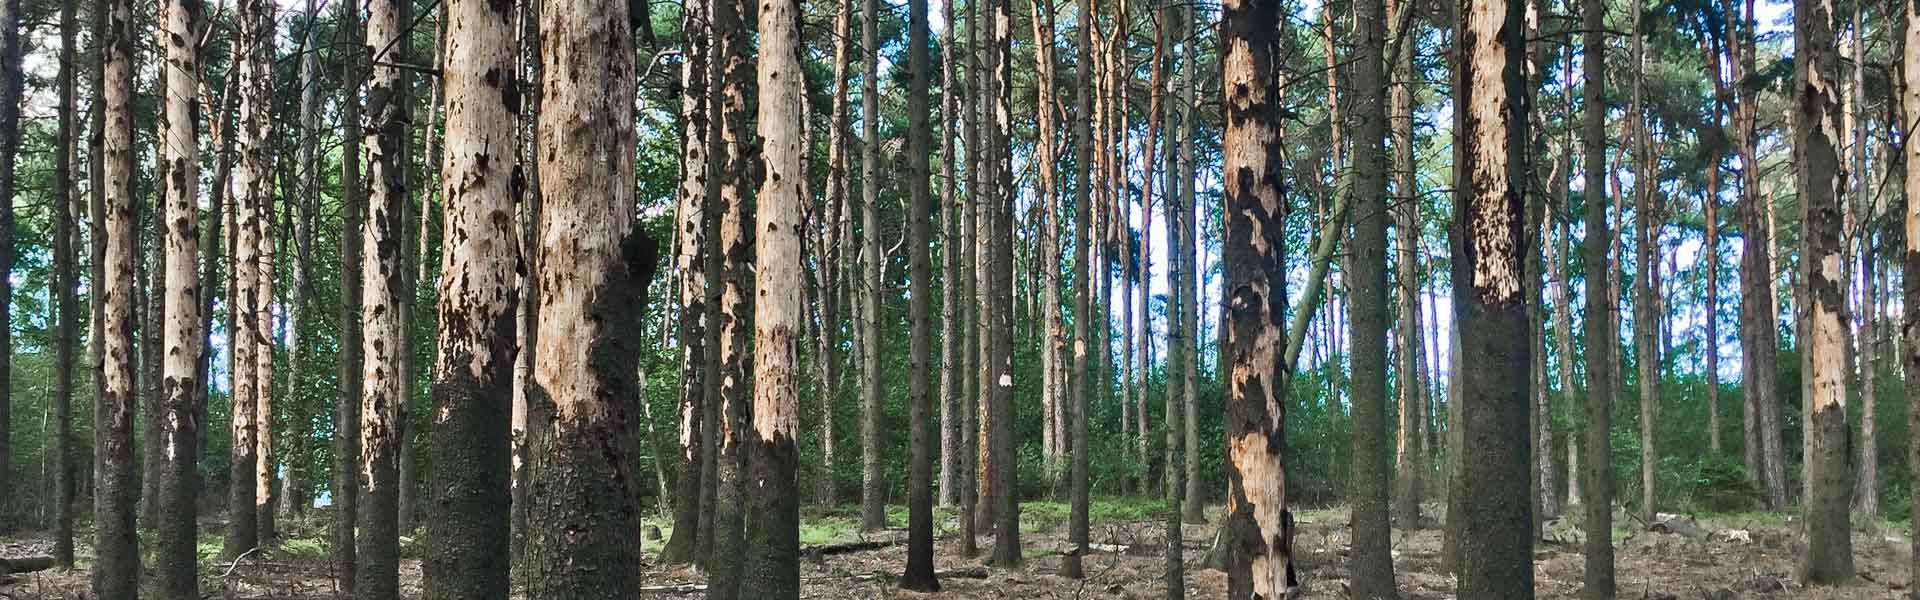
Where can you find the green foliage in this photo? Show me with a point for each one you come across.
(1719, 484)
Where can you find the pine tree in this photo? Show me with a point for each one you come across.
(1599, 577)
(919, 569)
(734, 126)
(12, 78)
(116, 567)
(1082, 381)
(346, 414)
(594, 271)
(382, 405)
(468, 474)
(179, 444)
(65, 471)
(690, 260)
(1366, 270)
(873, 484)
(1260, 565)
(1820, 184)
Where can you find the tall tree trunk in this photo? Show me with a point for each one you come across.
(833, 271)
(96, 272)
(773, 526)
(1908, 91)
(265, 339)
(953, 305)
(12, 79)
(967, 456)
(1758, 330)
(690, 258)
(1819, 183)
(252, 183)
(1260, 564)
(595, 271)
(919, 569)
(1709, 208)
(1372, 563)
(1046, 146)
(1006, 535)
(305, 204)
(1646, 310)
(64, 256)
(1598, 472)
(1144, 259)
(469, 472)
(986, 486)
(1193, 507)
(1081, 383)
(179, 444)
(1180, 327)
(116, 569)
(346, 413)
(735, 156)
(1860, 198)
(873, 484)
(1490, 216)
(383, 407)
(1411, 452)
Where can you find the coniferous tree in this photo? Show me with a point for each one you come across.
(116, 565)
(346, 413)
(690, 260)
(12, 78)
(1372, 563)
(595, 269)
(1598, 577)
(919, 574)
(179, 444)
(65, 471)
(873, 485)
(1082, 381)
(468, 474)
(382, 405)
(1820, 182)
(733, 60)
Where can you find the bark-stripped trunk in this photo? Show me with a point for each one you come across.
(1371, 561)
(1598, 474)
(873, 266)
(595, 267)
(1490, 252)
(735, 159)
(346, 413)
(772, 567)
(265, 475)
(919, 569)
(1819, 184)
(116, 568)
(179, 443)
(1258, 525)
(252, 182)
(690, 259)
(467, 545)
(65, 471)
(1080, 384)
(382, 407)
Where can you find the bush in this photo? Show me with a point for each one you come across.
(1721, 484)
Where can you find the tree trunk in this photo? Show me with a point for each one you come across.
(735, 79)
(469, 472)
(1371, 564)
(264, 220)
(179, 444)
(834, 269)
(297, 493)
(346, 414)
(96, 275)
(64, 257)
(999, 153)
(1410, 448)
(1492, 246)
(1260, 565)
(1646, 310)
(383, 407)
(953, 305)
(1820, 181)
(986, 486)
(919, 574)
(1597, 470)
(1193, 508)
(690, 260)
(966, 455)
(1866, 496)
(594, 276)
(1081, 382)
(773, 526)
(12, 79)
(1908, 92)
(873, 484)
(1046, 145)
(252, 182)
(1180, 327)
(116, 567)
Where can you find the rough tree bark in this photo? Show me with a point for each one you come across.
(382, 407)
(1820, 180)
(1371, 562)
(690, 260)
(252, 181)
(873, 484)
(179, 444)
(116, 568)
(1598, 474)
(11, 80)
(1081, 385)
(346, 412)
(772, 567)
(999, 134)
(919, 574)
(1908, 92)
(469, 470)
(65, 470)
(833, 272)
(1410, 470)
(1258, 531)
(952, 304)
(735, 156)
(592, 292)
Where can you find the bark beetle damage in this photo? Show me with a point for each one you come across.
(1494, 212)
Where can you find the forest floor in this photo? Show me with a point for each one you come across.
(1684, 558)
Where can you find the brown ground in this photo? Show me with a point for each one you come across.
(1714, 559)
